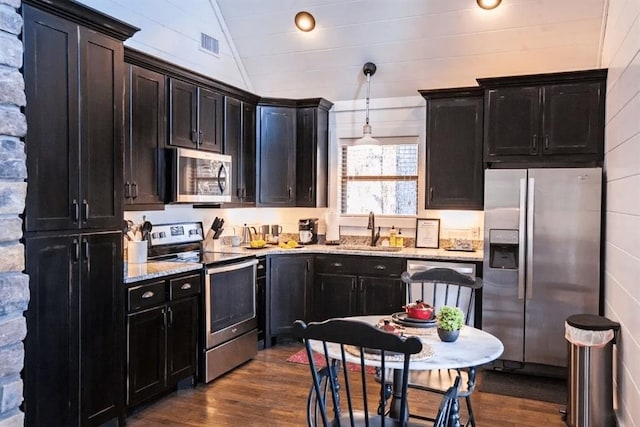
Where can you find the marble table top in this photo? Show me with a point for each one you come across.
(473, 347)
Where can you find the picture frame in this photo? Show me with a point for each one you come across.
(428, 233)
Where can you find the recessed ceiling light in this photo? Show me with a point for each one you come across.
(488, 4)
(305, 21)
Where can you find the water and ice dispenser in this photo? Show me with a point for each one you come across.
(503, 249)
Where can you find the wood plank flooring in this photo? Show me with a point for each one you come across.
(271, 391)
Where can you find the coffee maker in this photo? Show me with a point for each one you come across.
(308, 230)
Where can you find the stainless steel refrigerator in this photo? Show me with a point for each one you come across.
(541, 257)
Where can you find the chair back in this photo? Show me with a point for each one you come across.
(340, 395)
(443, 286)
(448, 412)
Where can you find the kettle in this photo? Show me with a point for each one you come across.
(246, 234)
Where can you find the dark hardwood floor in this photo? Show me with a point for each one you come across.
(271, 391)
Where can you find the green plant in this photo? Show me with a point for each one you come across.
(450, 318)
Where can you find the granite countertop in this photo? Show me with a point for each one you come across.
(153, 269)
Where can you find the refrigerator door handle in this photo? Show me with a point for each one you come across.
(530, 215)
(522, 223)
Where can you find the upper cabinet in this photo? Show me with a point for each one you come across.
(240, 144)
(74, 82)
(545, 118)
(454, 175)
(292, 152)
(145, 127)
(195, 116)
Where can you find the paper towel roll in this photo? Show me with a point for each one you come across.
(332, 220)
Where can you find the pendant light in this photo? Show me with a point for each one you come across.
(369, 69)
(488, 4)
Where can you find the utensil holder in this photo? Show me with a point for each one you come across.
(137, 252)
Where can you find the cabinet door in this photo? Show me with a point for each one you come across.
(52, 145)
(183, 122)
(182, 340)
(277, 156)
(233, 145)
(248, 153)
(306, 156)
(290, 280)
(454, 153)
(102, 88)
(144, 159)
(101, 328)
(333, 296)
(210, 110)
(512, 122)
(380, 295)
(573, 119)
(146, 354)
(51, 346)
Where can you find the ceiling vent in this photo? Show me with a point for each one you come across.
(209, 44)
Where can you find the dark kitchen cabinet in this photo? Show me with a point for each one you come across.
(145, 139)
(545, 118)
(74, 88)
(73, 371)
(276, 156)
(312, 159)
(162, 341)
(240, 144)
(356, 285)
(290, 278)
(454, 148)
(261, 298)
(195, 116)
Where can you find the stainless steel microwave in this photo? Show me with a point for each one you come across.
(199, 176)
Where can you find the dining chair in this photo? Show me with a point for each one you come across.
(339, 395)
(448, 415)
(438, 287)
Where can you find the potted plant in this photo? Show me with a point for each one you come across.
(450, 320)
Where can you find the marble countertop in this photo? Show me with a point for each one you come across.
(153, 269)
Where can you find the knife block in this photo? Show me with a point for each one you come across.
(210, 244)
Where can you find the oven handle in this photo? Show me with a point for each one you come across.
(231, 267)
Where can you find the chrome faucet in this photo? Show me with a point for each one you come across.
(372, 226)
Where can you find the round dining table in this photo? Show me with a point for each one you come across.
(474, 347)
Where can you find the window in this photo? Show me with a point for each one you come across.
(379, 178)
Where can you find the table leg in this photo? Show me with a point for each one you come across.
(396, 397)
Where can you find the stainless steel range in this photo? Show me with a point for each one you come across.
(229, 302)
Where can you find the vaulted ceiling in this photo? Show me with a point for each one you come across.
(416, 44)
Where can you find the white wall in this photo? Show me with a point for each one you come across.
(621, 55)
(172, 33)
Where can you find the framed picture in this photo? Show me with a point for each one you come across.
(427, 233)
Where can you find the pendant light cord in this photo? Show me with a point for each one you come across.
(368, 94)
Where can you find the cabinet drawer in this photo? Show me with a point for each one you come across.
(360, 265)
(184, 286)
(146, 296)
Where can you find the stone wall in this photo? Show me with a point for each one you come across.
(14, 285)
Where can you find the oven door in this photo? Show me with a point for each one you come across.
(230, 301)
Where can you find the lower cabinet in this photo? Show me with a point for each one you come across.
(73, 370)
(162, 328)
(290, 278)
(261, 286)
(356, 285)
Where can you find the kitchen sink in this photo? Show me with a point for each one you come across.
(368, 248)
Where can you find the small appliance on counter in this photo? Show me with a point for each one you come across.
(308, 230)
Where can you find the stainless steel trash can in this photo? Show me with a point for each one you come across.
(590, 383)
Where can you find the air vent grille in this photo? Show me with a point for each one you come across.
(210, 44)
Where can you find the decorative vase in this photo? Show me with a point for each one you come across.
(448, 336)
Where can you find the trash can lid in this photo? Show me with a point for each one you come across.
(591, 322)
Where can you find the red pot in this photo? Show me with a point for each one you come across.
(419, 310)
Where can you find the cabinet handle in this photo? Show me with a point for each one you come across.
(336, 264)
(76, 210)
(308, 267)
(380, 267)
(260, 267)
(430, 193)
(85, 243)
(289, 192)
(546, 142)
(194, 136)
(244, 193)
(127, 190)
(310, 194)
(360, 285)
(185, 286)
(200, 138)
(170, 313)
(534, 143)
(148, 294)
(134, 188)
(76, 250)
(85, 206)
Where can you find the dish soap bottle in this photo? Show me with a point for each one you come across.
(392, 236)
(399, 239)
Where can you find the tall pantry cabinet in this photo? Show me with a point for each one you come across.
(73, 70)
